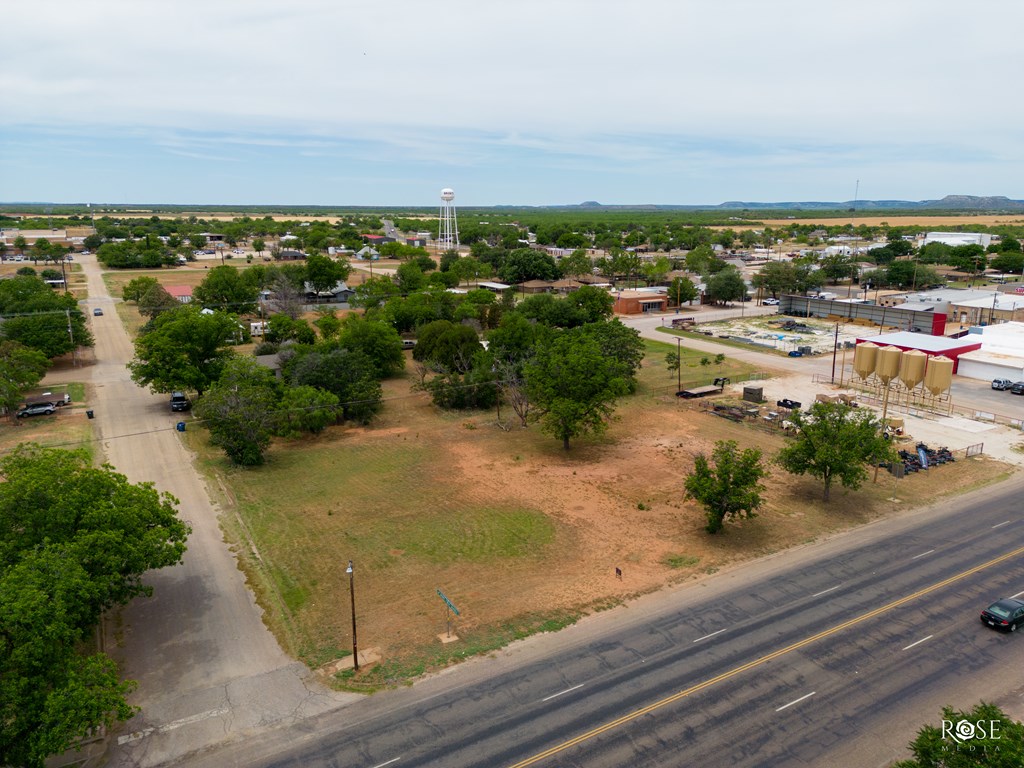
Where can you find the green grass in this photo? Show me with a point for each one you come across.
(692, 373)
(477, 535)
(679, 561)
(721, 341)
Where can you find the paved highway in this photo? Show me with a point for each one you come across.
(833, 655)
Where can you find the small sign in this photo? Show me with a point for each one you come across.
(448, 602)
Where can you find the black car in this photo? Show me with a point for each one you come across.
(1007, 614)
(180, 401)
(1017, 388)
(97, 312)
(40, 409)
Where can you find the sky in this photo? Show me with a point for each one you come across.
(383, 103)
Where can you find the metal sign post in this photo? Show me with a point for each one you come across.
(449, 609)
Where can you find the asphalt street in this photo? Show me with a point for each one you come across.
(833, 655)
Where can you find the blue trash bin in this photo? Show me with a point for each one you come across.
(180, 426)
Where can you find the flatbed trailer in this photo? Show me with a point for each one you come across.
(710, 389)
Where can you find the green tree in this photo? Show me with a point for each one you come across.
(835, 441)
(21, 244)
(699, 259)
(998, 743)
(1009, 261)
(224, 288)
(574, 385)
(75, 540)
(377, 340)
(620, 344)
(156, 300)
(92, 242)
(374, 292)
(525, 264)
(511, 346)
(323, 272)
(259, 245)
(726, 286)
(410, 278)
(41, 318)
(907, 274)
(447, 347)
(306, 409)
(20, 369)
(350, 375)
(576, 264)
(836, 267)
(731, 488)
(136, 288)
(183, 350)
(682, 289)
(241, 410)
(469, 269)
(328, 324)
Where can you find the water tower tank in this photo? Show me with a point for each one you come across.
(887, 365)
(939, 375)
(448, 194)
(912, 368)
(864, 356)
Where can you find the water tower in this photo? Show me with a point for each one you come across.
(448, 223)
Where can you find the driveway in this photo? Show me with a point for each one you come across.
(208, 669)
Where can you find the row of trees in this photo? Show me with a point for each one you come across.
(40, 318)
(834, 442)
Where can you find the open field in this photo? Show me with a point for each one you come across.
(521, 535)
(912, 220)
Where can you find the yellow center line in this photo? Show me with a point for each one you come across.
(758, 662)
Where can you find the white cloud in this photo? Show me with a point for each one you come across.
(652, 83)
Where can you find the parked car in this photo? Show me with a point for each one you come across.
(770, 302)
(1001, 384)
(1007, 614)
(1017, 388)
(180, 401)
(97, 312)
(40, 409)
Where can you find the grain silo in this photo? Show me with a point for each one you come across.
(912, 368)
(864, 356)
(939, 376)
(887, 365)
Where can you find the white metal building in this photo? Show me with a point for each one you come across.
(1001, 355)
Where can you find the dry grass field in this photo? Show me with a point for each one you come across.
(935, 222)
(521, 535)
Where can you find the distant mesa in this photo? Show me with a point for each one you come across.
(590, 204)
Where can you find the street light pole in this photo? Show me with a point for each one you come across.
(352, 593)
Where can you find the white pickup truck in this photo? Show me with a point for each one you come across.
(56, 399)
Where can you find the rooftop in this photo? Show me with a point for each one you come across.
(921, 341)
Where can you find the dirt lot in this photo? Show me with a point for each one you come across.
(519, 534)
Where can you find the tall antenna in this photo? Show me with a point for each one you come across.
(448, 224)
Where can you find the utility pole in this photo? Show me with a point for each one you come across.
(352, 593)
